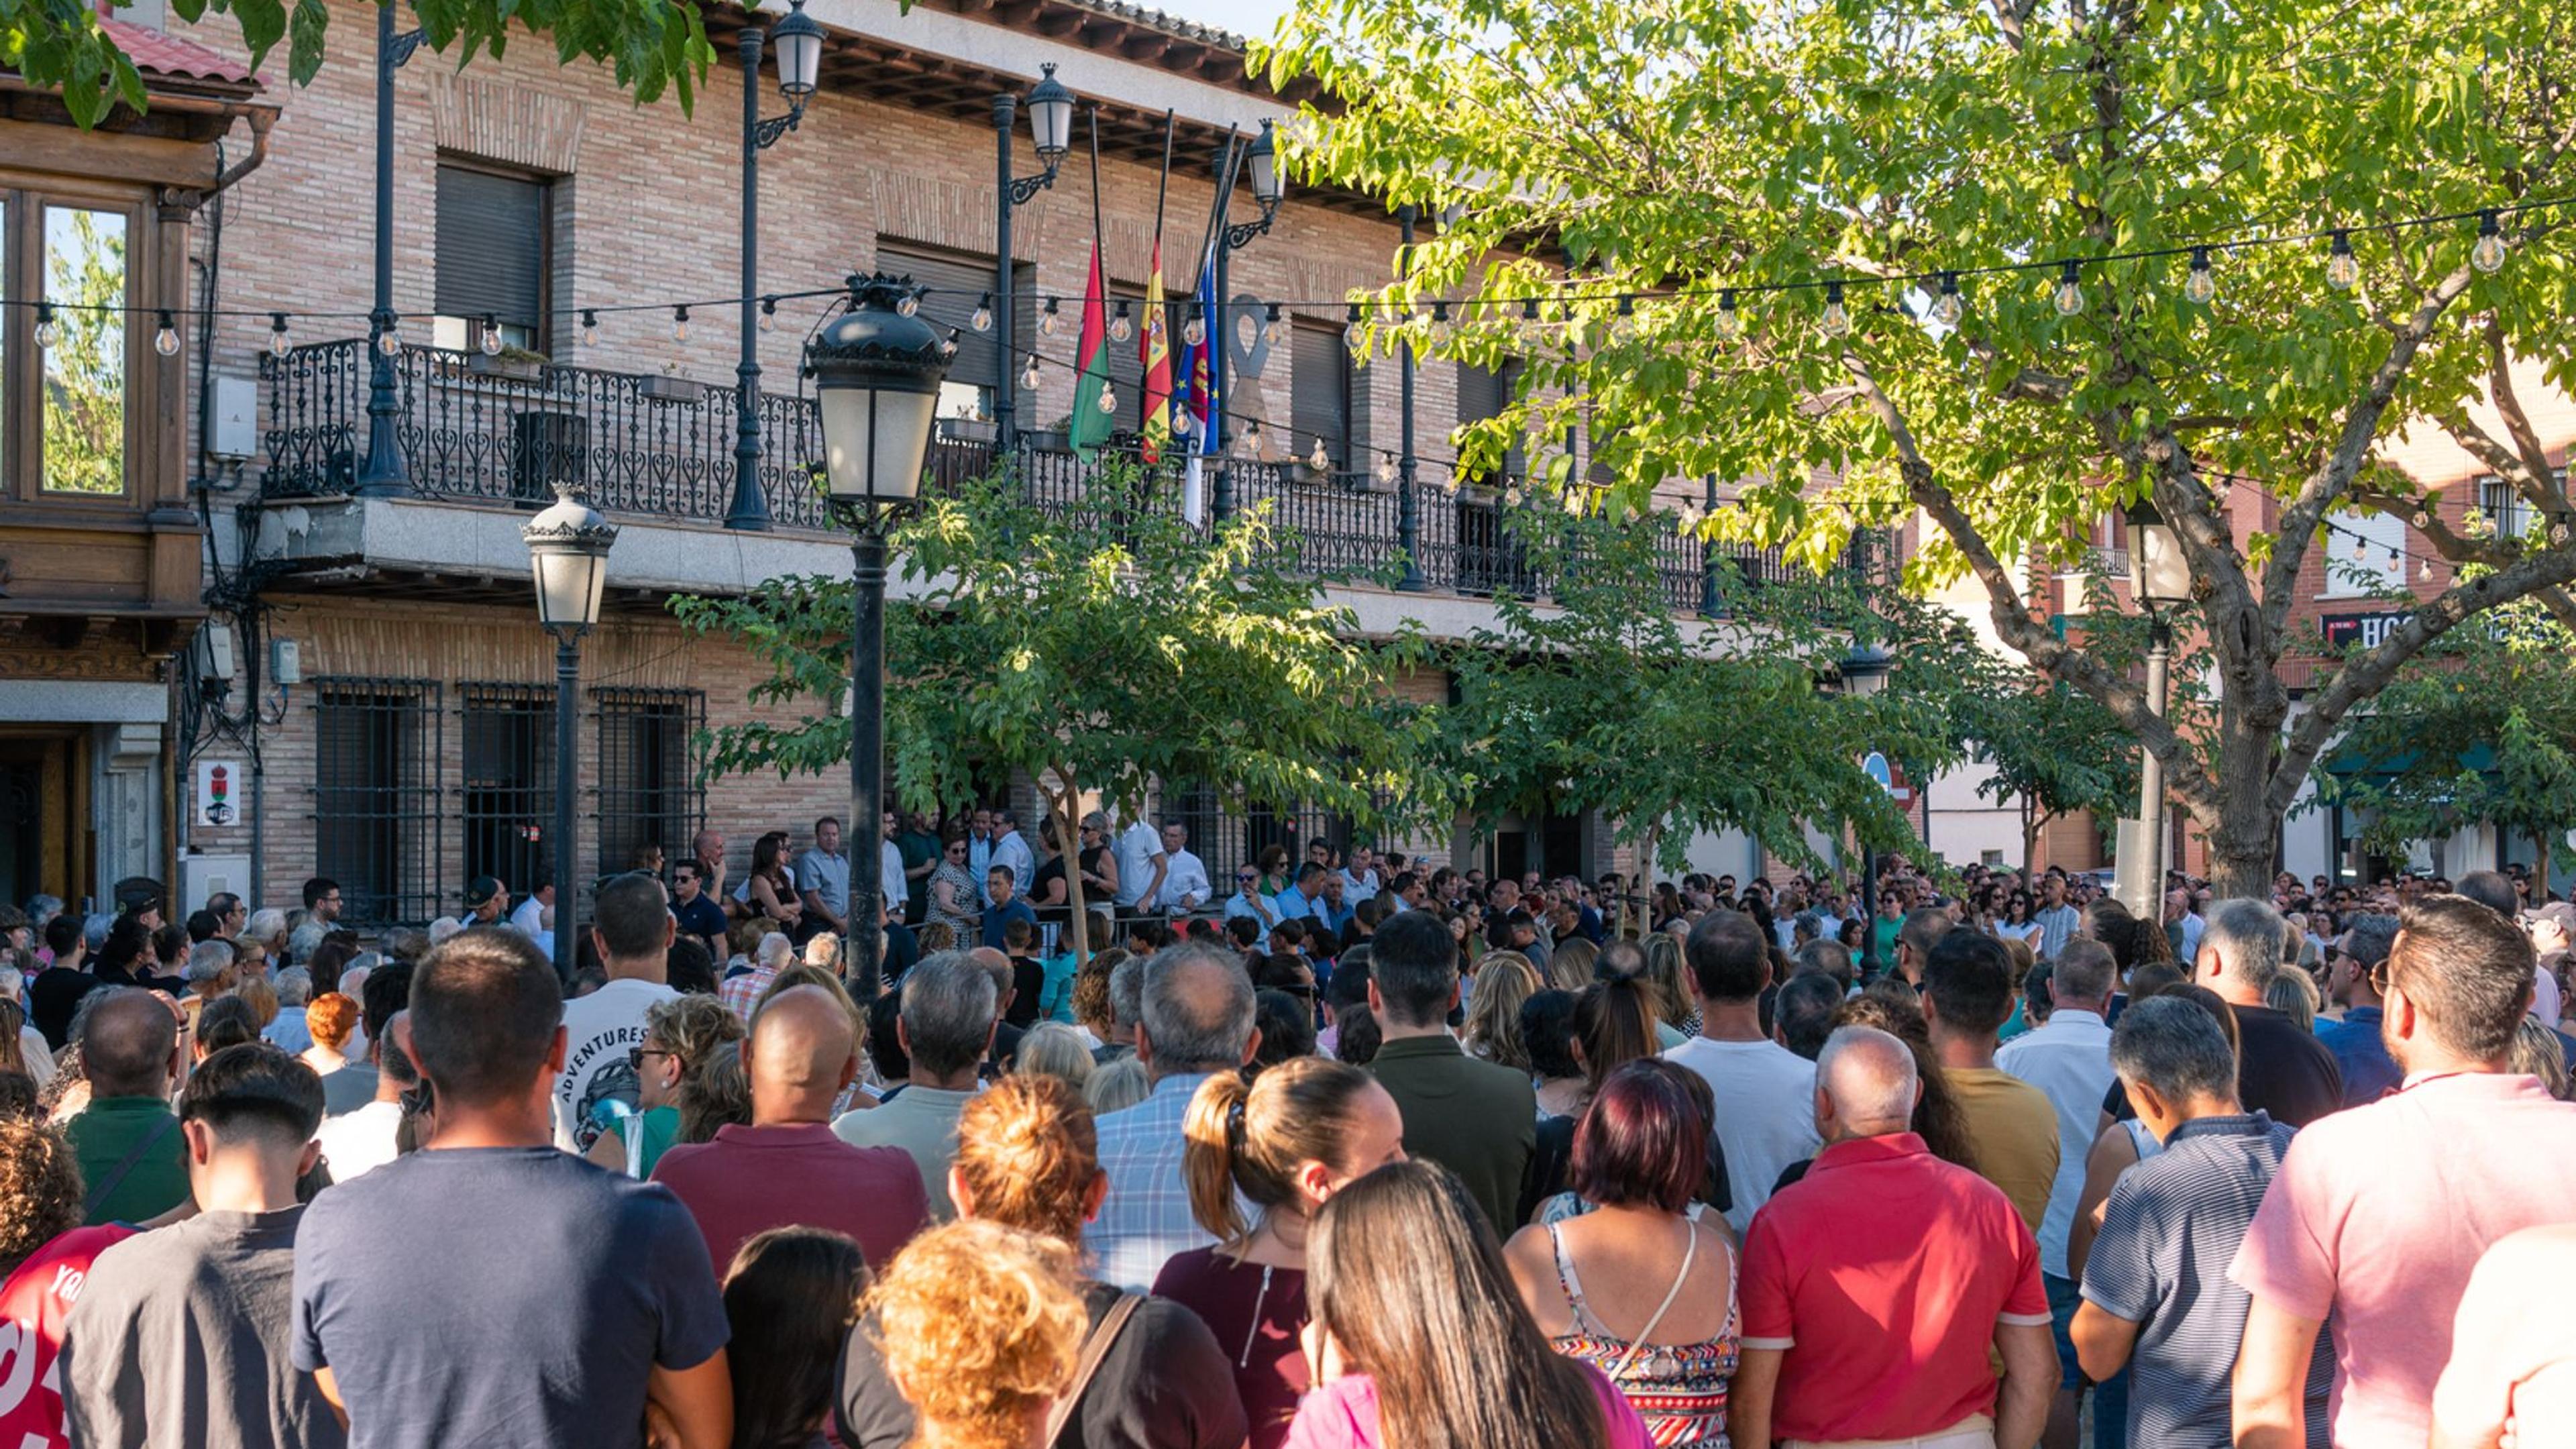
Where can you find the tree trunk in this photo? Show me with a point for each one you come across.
(1062, 804)
(2540, 893)
(2029, 840)
(2242, 854)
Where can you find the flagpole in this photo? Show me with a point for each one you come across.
(1219, 341)
(1145, 331)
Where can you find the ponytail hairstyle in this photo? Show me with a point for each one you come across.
(1028, 1155)
(1254, 1137)
(1615, 1022)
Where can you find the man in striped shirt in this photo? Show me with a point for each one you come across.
(2157, 1299)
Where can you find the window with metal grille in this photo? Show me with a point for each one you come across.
(508, 797)
(1487, 393)
(648, 777)
(957, 282)
(1320, 406)
(495, 245)
(1226, 839)
(376, 808)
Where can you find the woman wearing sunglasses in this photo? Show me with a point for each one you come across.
(679, 1035)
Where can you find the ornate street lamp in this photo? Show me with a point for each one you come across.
(1864, 672)
(2160, 579)
(568, 548)
(800, 64)
(384, 473)
(1051, 127)
(876, 372)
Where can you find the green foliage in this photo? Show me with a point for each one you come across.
(649, 45)
(1106, 648)
(1600, 699)
(84, 418)
(2481, 729)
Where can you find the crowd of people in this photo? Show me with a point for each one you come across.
(1362, 1153)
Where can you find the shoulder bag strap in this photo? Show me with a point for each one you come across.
(115, 1176)
(1094, 1349)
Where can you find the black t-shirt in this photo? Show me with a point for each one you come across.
(1028, 986)
(1165, 1384)
(2280, 1069)
(53, 997)
(1038, 891)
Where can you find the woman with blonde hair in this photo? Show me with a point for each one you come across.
(1028, 1159)
(1284, 1144)
(1664, 972)
(681, 1036)
(1421, 1339)
(1569, 966)
(1504, 979)
(331, 1017)
(979, 1329)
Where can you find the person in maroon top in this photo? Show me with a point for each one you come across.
(786, 1168)
(1284, 1144)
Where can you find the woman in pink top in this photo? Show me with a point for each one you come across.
(1421, 1341)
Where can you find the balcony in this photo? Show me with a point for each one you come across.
(475, 431)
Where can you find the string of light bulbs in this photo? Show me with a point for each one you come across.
(1945, 287)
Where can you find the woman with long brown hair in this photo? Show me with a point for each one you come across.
(1420, 1340)
(1285, 1144)
(1504, 979)
(771, 885)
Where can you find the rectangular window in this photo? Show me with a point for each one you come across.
(376, 819)
(960, 284)
(508, 799)
(1320, 382)
(1487, 393)
(2507, 510)
(494, 251)
(85, 277)
(2363, 554)
(648, 777)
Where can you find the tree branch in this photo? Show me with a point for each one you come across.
(2517, 422)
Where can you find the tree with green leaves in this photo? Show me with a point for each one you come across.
(84, 418)
(1814, 252)
(1599, 698)
(649, 45)
(2481, 728)
(1105, 650)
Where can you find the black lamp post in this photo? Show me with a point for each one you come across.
(1864, 670)
(1262, 159)
(876, 370)
(384, 474)
(568, 548)
(1408, 506)
(800, 59)
(1051, 126)
(2160, 579)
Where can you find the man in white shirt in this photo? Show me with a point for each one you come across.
(1142, 862)
(1186, 886)
(1359, 877)
(633, 928)
(1766, 1094)
(2059, 922)
(2069, 1060)
(1248, 900)
(365, 1139)
(823, 881)
(530, 915)
(890, 878)
(1010, 849)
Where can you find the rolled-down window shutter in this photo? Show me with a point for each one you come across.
(1321, 391)
(958, 284)
(492, 246)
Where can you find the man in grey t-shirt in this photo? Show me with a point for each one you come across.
(490, 1289)
(179, 1338)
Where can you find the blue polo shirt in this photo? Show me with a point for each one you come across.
(2369, 1072)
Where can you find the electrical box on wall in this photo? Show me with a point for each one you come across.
(215, 641)
(235, 433)
(285, 662)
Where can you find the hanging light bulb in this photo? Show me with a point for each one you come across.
(277, 344)
(1182, 422)
(2360, 549)
(589, 328)
(1108, 398)
(908, 305)
(1121, 329)
(679, 324)
(2070, 290)
(48, 332)
(1029, 374)
(1688, 520)
(1730, 323)
(2343, 269)
(165, 340)
(948, 344)
(983, 318)
(1386, 469)
(1574, 503)
(2488, 254)
(1351, 330)
(1046, 320)
(2200, 284)
(1948, 307)
(1837, 320)
(389, 341)
(1193, 329)
(769, 314)
(2428, 571)
(1318, 459)
(487, 338)
(1275, 327)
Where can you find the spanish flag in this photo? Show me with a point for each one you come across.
(1156, 350)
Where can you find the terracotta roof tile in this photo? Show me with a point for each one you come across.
(159, 53)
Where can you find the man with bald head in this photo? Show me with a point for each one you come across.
(132, 1156)
(1853, 1334)
(787, 1169)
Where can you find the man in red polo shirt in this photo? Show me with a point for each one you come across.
(786, 1168)
(1874, 1287)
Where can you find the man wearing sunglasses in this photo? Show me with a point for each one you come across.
(1247, 900)
(2354, 980)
